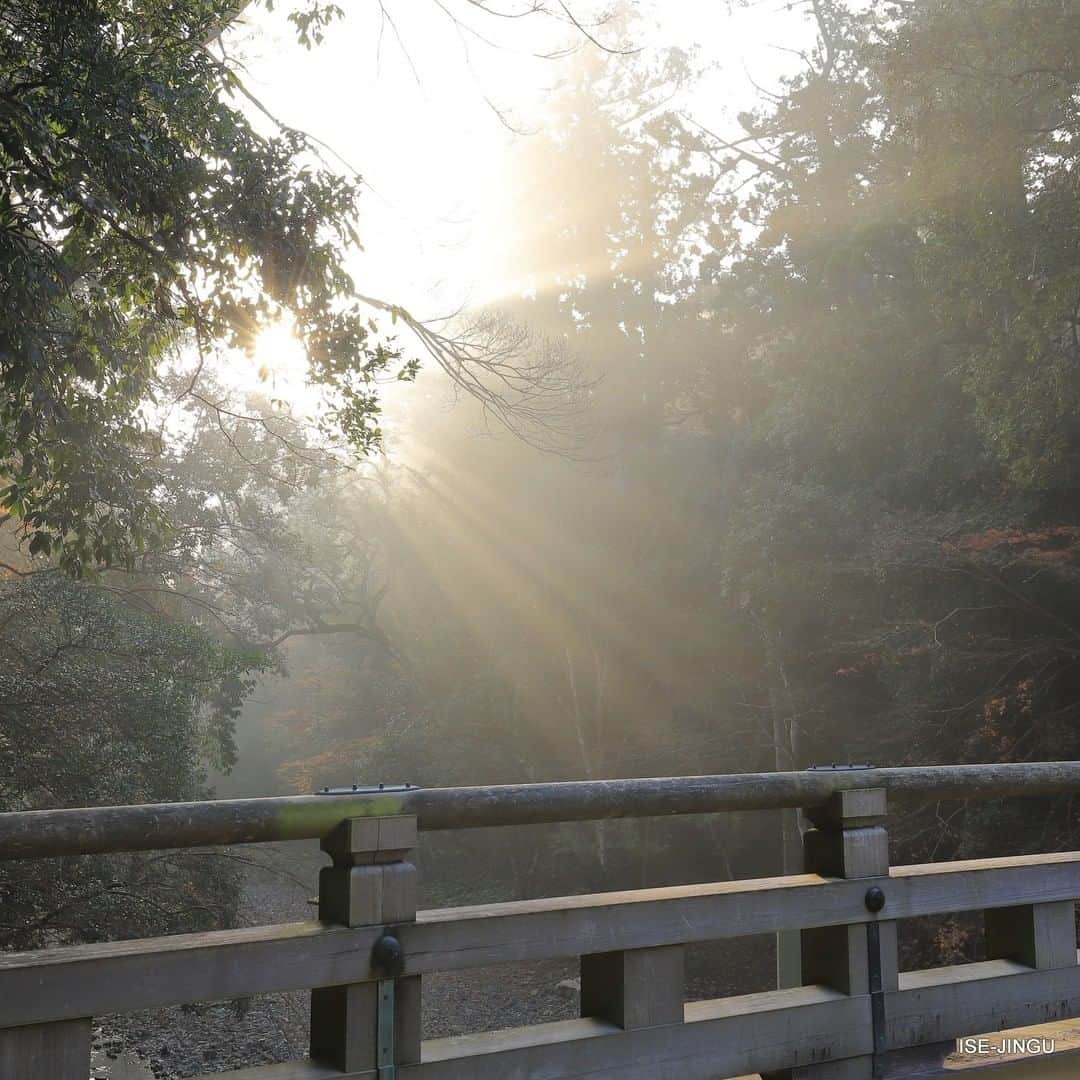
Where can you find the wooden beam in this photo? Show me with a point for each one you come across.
(603, 922)
(90, 830)
(80, 980)
(372, 883)
(634, 988)
(726, 1037)
(288, 1070)
(367, 895)
(847, 841)
(57, 1051)
(121, 976)
(920, 1063)
(969, 999)
(1039, 935)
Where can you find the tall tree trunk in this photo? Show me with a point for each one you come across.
(786, 753)
(586, 757)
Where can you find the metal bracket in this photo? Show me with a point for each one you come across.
(387, 959)
(368, 789)
(384, 1037)
(877, 999)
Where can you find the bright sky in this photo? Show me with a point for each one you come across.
(408, 101)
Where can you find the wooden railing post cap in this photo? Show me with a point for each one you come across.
(856, 808)
(358, 841)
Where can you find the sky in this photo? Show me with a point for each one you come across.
(411, 104)
(427, 111)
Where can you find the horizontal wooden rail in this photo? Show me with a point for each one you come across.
(95, 830)
(752, 1033)
(123, 976)
(726, 1037)
(81, 980)
(945, 1003)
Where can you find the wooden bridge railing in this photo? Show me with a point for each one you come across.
(856, 1015)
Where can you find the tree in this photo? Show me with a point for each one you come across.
(143, 216)
(140, 210)
(153, 221)
(896, 298)
(101, 703)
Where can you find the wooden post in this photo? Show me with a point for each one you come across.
(788, 942)
(60, 1051)
(848, 840)
(1039, 935)
(788, 959)
(636, 988)
(372, 882)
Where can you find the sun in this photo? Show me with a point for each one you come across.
(280, 359)
(276, 370)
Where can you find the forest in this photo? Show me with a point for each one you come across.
(766, 455)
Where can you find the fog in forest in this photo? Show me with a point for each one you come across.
(464, 394)
(768, 455)
(539, 556)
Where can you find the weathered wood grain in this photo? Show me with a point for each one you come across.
(93, 980)
(289, 1070)
(634, 988)
(969, 999)
(1039, 935)
(344, 1027)
(637, 1029)
(727, 1037)
(371, 883)
(66, 983)
(918, 1063)
(81, 831)
(604, 922)
(56, 1051)
(858, 808)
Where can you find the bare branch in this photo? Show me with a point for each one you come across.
(528, 383)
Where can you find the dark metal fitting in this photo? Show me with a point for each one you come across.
(875, 899)
(388, 957)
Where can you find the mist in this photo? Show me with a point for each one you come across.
(624, 393)
(740, 484)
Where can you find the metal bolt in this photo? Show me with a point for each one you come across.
(875, 899)
(387, 956)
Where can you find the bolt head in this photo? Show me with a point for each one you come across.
(875, 899)
(387, 956)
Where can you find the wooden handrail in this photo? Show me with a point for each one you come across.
(97, 830)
